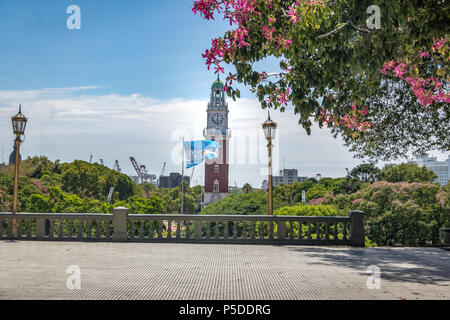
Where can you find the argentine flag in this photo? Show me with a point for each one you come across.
(197, 151)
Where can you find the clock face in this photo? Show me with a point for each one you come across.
(217, 118)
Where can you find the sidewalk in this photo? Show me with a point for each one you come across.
(37, 270)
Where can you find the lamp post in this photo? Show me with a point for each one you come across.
(19, 122)
(270, 128)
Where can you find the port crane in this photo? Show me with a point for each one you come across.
(141, 170)
(117, 167)
(162, 172)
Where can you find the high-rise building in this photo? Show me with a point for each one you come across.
(288, 176)
(216, 170)
(173, 180)
(440, 168)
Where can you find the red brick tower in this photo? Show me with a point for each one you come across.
(216, 170)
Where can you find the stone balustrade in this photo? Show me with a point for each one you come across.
(243, 229)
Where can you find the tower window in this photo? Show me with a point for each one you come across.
(216, 168)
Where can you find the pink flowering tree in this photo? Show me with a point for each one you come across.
(337, 70)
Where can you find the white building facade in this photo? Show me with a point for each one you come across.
(288, 176)
(440, 168)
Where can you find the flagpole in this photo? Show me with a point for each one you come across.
(182, 181)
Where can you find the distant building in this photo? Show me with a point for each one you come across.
(265, 185)
(150, 178)
(172, 181)
(164, 182)
(440, 168)
(12, 157)
(288, 176)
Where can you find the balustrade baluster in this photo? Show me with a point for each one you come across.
(159, 231)
(291, 230)
(327, 235)
(226, 233)
(253, 232)
(19, 228)
(270, 229)
(309, 231)
(9, 231)
(108, 229)
(132, 231)
(9, 228)
(335, 233)
(187, 228)
(261, 230)
(300, 230)
(70, 223)
(141, 229)
(216, 229)
(80, 224)
(151, 232)
(178, 232)
(60, 233)
(169, 229)
(235, 233)
(244, 230)
(89, 228)
(29, 232)
(345, 231)
(1, 228)
(98, 229)
(317, 230)
(51, 233)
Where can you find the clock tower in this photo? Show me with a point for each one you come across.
(216, 170)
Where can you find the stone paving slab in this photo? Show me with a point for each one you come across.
(155, 271)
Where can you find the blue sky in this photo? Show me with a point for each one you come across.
(130, 83)
(146, 46)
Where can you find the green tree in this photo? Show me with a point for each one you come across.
(366, 172)
(407, 172)
(316, 191)
(80, 178)
(406, 214)
(332, 65)
(138, 205)
(252, 203)
(247, 188)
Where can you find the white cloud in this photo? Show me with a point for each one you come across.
(70, 123)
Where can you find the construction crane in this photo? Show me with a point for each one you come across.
(163, 169)
(162, 173)
(141, 170)
(111, 190)
(117, 167)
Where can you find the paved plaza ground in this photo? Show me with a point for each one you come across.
(37, 270)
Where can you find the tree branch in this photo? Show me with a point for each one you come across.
(337, 29)
(358, 28)
(333, 32)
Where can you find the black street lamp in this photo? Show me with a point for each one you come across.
(19, 122)
(270, 128)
